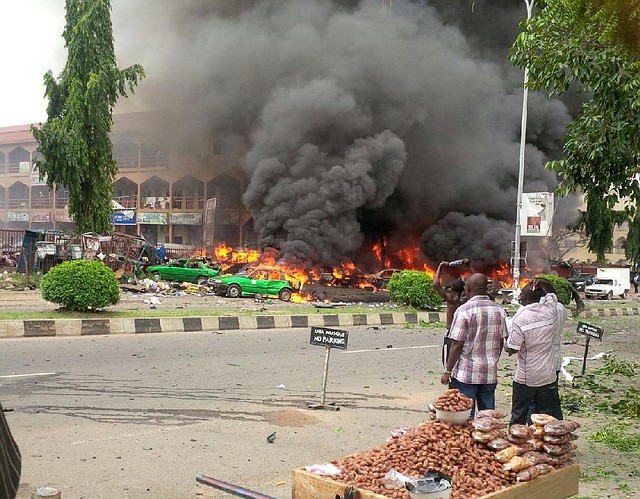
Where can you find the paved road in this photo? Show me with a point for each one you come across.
(139, 416)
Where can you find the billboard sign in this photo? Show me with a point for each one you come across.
(152, 218)
(536, 216)
(186, 218)
(123, 217)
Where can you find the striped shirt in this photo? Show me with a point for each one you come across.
(481, 324)
(10, 461)
(534, 333)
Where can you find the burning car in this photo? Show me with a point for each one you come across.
(195, 270)
(382, 278)
(265, 281)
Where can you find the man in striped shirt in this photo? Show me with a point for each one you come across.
(10, 461)
(477, 333)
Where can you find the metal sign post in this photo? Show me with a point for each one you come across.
(589, 331)
(328, 338)
(325, 375)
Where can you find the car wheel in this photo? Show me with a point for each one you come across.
(233, 291)
(201, 280)
(610, 295)
(285, 294)
(623, 295)
(156, 276)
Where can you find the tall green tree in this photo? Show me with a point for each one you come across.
(74, 141)
(632, 244)
(588, 46)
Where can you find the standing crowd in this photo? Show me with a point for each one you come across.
(479, 330)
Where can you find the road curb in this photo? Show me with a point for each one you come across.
(92, 327)
(147, 325)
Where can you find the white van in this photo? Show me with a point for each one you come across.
(609, 282)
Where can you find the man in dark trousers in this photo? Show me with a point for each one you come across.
(10, 461)
(533, 338)
(477, 333)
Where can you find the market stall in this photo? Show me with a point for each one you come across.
(481, 458)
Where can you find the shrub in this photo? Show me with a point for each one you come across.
(562, 286)
(414, 289)
(81, 285)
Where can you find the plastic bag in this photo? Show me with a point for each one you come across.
(395, 480)
(505, 454)
(486, 436)
(491, 413)
(517, 463)
(520, 431)
(527, 446)
(498, 444)
(537, 431)
(544, 468)
(527, 474)
(487, 424)
(558, 450)
(542, 419)
(561, 461)
(559, 439)
(536, 457)
(516, 440)
(561, 427)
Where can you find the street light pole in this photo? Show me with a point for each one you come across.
(523, 136)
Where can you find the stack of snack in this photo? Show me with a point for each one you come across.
(453, 401)
(557, 442)
(489, 428)
(529, 451)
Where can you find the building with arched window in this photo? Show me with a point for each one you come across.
(165, 190)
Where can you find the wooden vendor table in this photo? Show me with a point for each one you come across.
(558, 484)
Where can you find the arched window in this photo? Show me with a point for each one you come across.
(41, 197)
(126, 192)
(18, 197)
(188, 194)
(19, 161)
(155, 194)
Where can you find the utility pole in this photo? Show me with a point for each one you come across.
(523, 137)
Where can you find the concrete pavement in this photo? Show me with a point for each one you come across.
(88, 327)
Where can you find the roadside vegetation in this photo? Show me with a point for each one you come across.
(81, 285)
(607, 401)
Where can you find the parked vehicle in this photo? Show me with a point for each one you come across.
(265, 281)
(609, 282)
(581, 280)
(382, 278)
(195, 270)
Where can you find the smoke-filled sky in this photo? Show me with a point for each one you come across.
(359, 121)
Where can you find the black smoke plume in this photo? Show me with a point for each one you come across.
(358, 121)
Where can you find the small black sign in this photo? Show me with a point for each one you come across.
(330, 338)
(590, 331)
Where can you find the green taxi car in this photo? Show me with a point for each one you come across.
(185, 270)
(265, 281)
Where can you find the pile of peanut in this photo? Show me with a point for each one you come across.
(453, 400)
(429, 446)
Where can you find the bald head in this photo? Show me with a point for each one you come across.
(476, 284)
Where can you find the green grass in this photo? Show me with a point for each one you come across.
(245, 308)
(617, 438)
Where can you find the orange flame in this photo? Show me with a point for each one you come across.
(408, 257)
